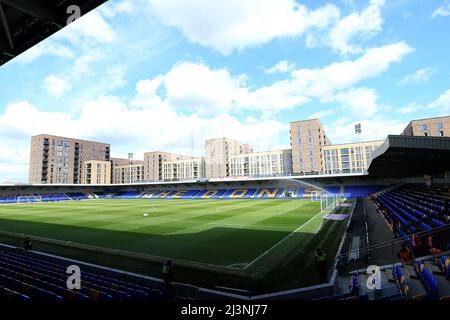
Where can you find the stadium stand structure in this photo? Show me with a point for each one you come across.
(417, 217)
(235, 193)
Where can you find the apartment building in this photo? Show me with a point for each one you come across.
(348, 157)
(129, 173)
(153, 163)
(307, 140)
(59, 160)
(184, 169)
(117, 162)
(96, 172)
(217, 156)
(267, 163)
(432, 127)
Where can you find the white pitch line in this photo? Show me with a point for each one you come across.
(279, 242)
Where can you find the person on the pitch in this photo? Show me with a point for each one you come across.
(321, 265)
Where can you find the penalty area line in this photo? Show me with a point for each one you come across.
(281, 241)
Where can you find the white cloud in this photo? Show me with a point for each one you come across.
(83, 63)
(146, 93)
(112, 9)
(360, 102)
(33, 121)
(91, 27)
(322, 114)
(361, 25)
(420, 76)
(45, 48)
(376, 128)
(442, 11)
(322, 83)
(115, 75)
(348, 33)
(442, 103)
(196, 87)
(56, 86)
(281, 67)
(410, 108)
(235, 24)
(272, 99)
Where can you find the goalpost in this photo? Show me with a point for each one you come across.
(327, 202)
(29, 199)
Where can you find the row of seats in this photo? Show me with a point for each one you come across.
(415, 280)
(361, 191)
(435, 194)
(444, 265)
(417, 215)
(417, 206)
(428, 280)
(243, 193)
(24, 277)
(412, 213)
(401, 279)
(11, 295)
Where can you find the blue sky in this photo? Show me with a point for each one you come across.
(148, 75)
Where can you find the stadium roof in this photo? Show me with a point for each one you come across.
(24, 23)
(410, 156)
(225, 181)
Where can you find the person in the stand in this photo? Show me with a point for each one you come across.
(404, 254)
(430, 243)
(418, 249)
(395, 227)
(431, 248)
(27, 245)
(321, 265)
(167, 273)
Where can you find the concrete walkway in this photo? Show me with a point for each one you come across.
(379, 232)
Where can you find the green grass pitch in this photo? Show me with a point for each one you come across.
(226, 233)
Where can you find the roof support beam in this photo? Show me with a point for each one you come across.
(5, 26)
(32, 9)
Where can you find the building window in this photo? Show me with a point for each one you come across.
(439, 126)
(423, 127)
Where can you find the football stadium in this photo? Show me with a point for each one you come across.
(365, 220)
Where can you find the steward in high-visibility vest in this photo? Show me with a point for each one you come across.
(321, 265)
(167, 271)
(27, 244)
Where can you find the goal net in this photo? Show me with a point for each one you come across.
(29, 199)
(327, 202)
